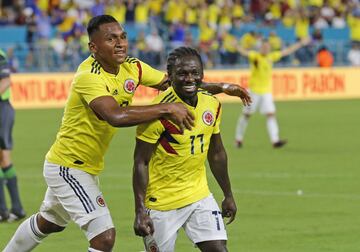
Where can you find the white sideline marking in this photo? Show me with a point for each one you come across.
(305, 194)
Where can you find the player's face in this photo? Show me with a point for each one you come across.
(186, 76)
(110, 43)
(265, 48)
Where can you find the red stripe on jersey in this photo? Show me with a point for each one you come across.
(169, 127)
(166, 145)
(140, 70)
(217, 113)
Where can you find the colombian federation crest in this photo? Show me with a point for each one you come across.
(208, 118)
(100, 201)
(129, 86)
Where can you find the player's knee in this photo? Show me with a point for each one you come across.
(48, 227)
(104, 241)
(247, 116)
(212, 246)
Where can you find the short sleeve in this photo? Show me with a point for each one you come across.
(275, 56)
(150, 76)
(90, 86)
(150, 132)
(217, 120)
(252, 55)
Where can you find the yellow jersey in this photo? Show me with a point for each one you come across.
(83, 137)
(261, 71)
(177, 173)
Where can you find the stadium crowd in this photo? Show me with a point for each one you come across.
(55, 29)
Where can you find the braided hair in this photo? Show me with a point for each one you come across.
(180, 52)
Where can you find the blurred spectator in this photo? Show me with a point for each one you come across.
(13, 61)
(237, 10)
(319, 22)
(117, 10)
(225, 22)
(141, 48)
(354, 25)
(213, 13)
(317, 36)
(58, 46)
(327, 12)
(74, 49)
(175, 11)
(191, 14)
(31, 28)
(338, 21)
(98, 8)
(324, 57)
(43, 29)
(207, 43)
(155, 47)
(354, 55)
(142, 15)
(177, 35)
(289, 18)
(275, 41)
(302, 25)
(249, 40)
(228, 51)
(130, 11)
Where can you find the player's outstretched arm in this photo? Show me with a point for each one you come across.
(291, 49)
(229, 89)
(106, 108)
(218, 164)
(143, 151)
(243, 51)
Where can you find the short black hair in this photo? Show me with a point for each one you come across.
(95, 22)
(181, 52)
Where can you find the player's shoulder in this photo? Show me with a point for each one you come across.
(167, 96)
(208, 96)
(88, 71)
(90, 66)
(131, 60)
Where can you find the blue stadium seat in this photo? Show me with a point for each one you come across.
(12, 34)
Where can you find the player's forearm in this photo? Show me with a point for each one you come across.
(216, 88)
(140, 182)
(135, 115)
(218, 167)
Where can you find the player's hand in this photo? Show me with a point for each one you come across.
(236, 90)
(143, 225)
(229, 209)
(180, 115)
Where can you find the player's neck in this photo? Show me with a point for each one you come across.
(109, 68)
(192, 101)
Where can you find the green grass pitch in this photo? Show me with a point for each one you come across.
(322, 159)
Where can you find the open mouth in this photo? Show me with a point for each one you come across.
(189, 88)
(120, 52)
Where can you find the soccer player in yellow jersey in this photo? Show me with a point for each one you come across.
(260, 86)
(98, 103)
(169, 181)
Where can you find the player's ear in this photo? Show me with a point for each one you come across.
(92, 47)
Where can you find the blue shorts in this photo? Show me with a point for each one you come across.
(7, 115)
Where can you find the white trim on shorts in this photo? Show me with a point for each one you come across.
(73, 194)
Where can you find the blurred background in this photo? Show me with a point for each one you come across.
(301, 198)
(50, 35)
